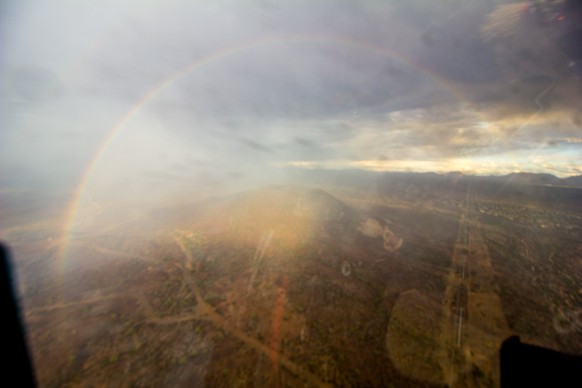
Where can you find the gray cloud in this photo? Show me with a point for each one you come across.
(224, 91)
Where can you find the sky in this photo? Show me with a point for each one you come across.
(203, 96)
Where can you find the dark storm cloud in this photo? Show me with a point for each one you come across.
(307, 78)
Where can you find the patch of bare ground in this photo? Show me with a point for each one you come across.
(412, 337)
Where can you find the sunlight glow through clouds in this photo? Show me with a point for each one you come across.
(560, 162)
(425, 140)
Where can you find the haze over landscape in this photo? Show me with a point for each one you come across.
(290, 193)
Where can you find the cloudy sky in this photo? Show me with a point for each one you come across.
(148, 94)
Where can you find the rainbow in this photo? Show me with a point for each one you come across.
(171, 79)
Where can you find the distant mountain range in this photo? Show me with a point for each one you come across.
(526, 178)
(520, 178)
(525, 188)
